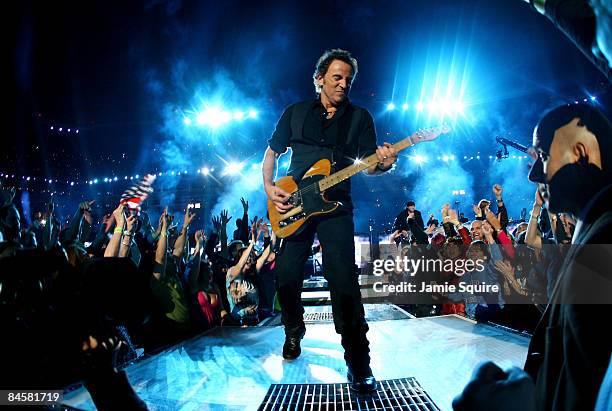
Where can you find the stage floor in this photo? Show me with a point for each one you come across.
(231, 368)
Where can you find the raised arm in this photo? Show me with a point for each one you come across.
(194, 272)
(128, 234)
(179, 244)
(159, 268)
(112, 249)
(223, 233)
(532, 238)
(502, 212)
(263, 229)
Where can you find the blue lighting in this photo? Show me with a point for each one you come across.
(390, 106)
(405, 106)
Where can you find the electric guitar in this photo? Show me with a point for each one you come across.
(308, 195)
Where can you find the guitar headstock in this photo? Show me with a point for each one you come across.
(430, 134)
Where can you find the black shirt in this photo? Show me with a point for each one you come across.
(325, 138)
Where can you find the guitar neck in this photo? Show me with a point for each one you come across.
(358, 166)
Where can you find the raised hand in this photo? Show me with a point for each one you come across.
(476, 209)
(119, 216)
(86, 205)
(216, 221)
(245, 204)
(224, 218)
(254, 229)
(200, 237)
(539, 201)
(487, 230)
(131, 223)
(505, 268)
(164, 220)
(452, 217)
(107, 222)
(188, 218)
(497, 190)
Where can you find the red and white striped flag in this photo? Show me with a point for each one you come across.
(136, 194)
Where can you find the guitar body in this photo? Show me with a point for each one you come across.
(308, 201)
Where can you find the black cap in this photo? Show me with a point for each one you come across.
(410, 203)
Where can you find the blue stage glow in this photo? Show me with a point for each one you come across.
(187, 121)
(390, 106)
(405, 106)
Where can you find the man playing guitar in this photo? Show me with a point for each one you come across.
(332, 128)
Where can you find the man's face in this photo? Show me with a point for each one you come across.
(476, 230)
(411, 208)
(336, 83)
(562, 151)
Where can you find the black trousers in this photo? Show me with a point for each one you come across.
(335, 233)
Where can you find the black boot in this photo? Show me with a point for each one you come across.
(361, 381)
(291, 348)
(357, 356)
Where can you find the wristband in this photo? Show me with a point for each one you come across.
(118, 230)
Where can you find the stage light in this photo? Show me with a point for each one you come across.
(390, 106)
(172, 173)
(187, 121)
(71, 183)
(136, 176)
(90, 182)
(477, 157)
(593, 98)
(465, 157)
(233, 168)
(452, 157)
(419, 159)
(69, 130)
(445, 158)
(105, 179)
(77, 131)
(125, 178)
(238, 115)
(405, 106)
(159, 174)
(60, 129)
(115, 179)
(459, 107)
(201, 119)
(96, 181)
(205, 171)
(252, 114)
(419, 106)
(432, 106)
(254, 166)
(51, 128)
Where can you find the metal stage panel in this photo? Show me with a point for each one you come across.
(392, 395)
(232, 368)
